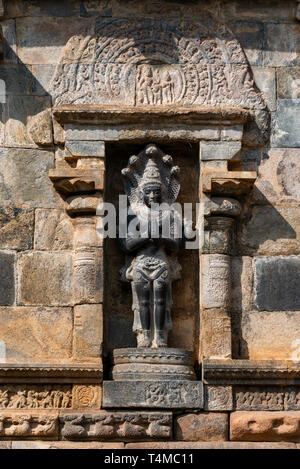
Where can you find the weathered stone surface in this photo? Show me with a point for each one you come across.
(218, 235)
(22, 126)
(162, 394)
(40, 39)
(259, 398)
(278, 177)
(16, 227)
(42, 425)
(219, 150)
(35, 396)
(265, 426)
(86, 396)
(82, 148)
(234, 132)
(286, 126)
(271, 230)
(288, 82)
(62, 445)
(282, 45)
(5, 445)
(241, 284)
(17, 80)
(35, 334)
(218, 398)
(24, 178)
(53, 230)
(10, 41)
(88, 332)
(7, 278)
(116, 426)
(88, 276)
(15, 8)
(251, 37)
(215, 334)
(45, 278)
(181, 445)
(277, 283)
(270, 335)
(266, 81)
(202, 427)
(215, 280)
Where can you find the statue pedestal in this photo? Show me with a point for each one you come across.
(153, 378)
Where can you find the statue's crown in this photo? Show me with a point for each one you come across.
(151, 173)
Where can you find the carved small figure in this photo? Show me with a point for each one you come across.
(152, 187)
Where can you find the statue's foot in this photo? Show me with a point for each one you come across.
(143, 339)
(159, 340)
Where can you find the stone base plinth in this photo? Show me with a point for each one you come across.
(148, 364)
(181, 394)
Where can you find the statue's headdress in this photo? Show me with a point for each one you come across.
(151, 166)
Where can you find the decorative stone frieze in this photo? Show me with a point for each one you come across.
(116, 426)
(29, 424)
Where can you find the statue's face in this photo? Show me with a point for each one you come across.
(152, 194)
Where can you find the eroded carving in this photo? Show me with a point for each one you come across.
(104, 426)
(35, 397)
(28, 425)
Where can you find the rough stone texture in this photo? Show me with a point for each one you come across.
(34, 334)
(16, 227)
(53, 230)
(265, 79)
(88, 334)
(215, 281)
(282, 45)
(160, 394)
(265, 426)
(202, 427)
(116, 426)
(277, 283)
(53, 271)
(182, 445)
(270, 335)
(241, 284)
(24, 178)
(7, 278)
(286, 124)
(215, 334)
(61, 445)
(288, 82)
(218, 398)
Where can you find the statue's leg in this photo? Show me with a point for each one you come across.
(160, 301)
(142, 289)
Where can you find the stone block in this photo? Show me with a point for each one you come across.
(10, 42)
(265, 426)
(116, 426)
(215, 280)
(258, 398)
(251, 38)
(241, 284)
(42, 76)
(219, 150)
(265, 80)
(88, 332)
(277, 283)
(21, 128)
(278, 177)
(17, 79)
(6, 445)
(115, 324)
(40, 39)
(53, 230)
(264, 10)
(16, 9)
(282, 45)
(82, 148)
(86, 396)
(182, 445)
(234, 132)
(35, 334)
(288, 82)
(285, 132)
(215, 334)
(39, 425)
(270, 335)
(270, 230)
(218, 398)
(7, 278)
(73, 445)
(160, 394)
(202, 427)
(16, 227)
(45, 278)
(24, 178)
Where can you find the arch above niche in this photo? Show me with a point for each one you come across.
(141, 62)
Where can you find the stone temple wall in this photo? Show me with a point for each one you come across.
(73, 110)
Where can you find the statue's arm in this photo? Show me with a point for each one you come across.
(133, 240)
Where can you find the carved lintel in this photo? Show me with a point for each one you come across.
(231, 183)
